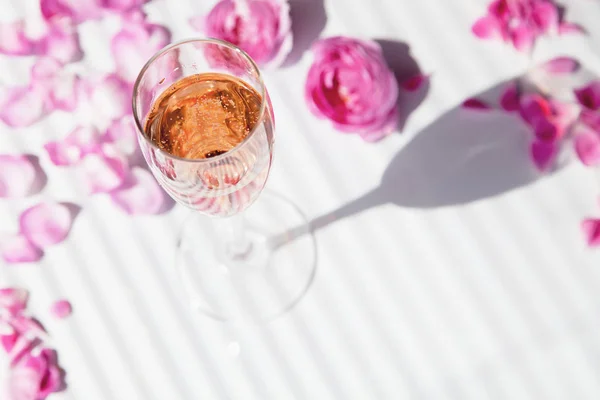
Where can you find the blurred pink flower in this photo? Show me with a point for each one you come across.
(475, 104)
(17, 176)
(35, 377)
(58, 40)
(135, 43)
(520, 22)
(350, 84)
(262, 28)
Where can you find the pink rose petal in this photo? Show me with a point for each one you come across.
(18, 249)
(123, 135)
(545, 130)
(23, 106)
(589, 95)
(13, 40)
(17, 176)
(123, 5)
(534, 106)
(475, 104)
(545, 14)
(566, 28)
(413, 84)
(60, 43)
(79, 143)
(561, 65)
(110, 98)
(587, 146)
(486, 27)
(77, 10)
(46, 224)
(13, 300)
(591, 119)
(523, 38)
(105, 171)
(509, 100)
(591, 230)
(135, 44)
(140, 194)
(543, 155)
(61, 309)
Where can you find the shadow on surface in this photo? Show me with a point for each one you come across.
(398, 57)
(462, 157)
(308, 21)
(41, 179)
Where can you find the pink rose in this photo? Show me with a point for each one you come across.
(351, 84)
(262, 28)
(35, 377)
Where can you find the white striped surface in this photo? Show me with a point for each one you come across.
(495, 299)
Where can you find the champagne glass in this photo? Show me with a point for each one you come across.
(206, 129)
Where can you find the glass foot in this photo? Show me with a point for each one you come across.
(258, 282)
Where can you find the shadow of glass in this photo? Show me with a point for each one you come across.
(462, 157)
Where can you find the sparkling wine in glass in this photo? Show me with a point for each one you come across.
(206, 129)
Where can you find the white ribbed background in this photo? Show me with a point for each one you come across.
(496, 299)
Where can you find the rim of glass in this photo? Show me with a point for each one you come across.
(171, 47)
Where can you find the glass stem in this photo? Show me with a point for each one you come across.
(238, 244)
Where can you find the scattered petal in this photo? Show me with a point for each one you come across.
(123, 135)
(587, 145)
(13, 300)
(135, 44)
(523, 38)
(545, 130)
(61, 309)
(104, 171)
(487, 27)
(140, 194)
(475, 104)
(17, 176)
(413, 84)
(60, 43)
(566, 28)
(78, 11)
(509, 100)
(591, 119)
(589, 95)
(591, 230)
(109, 98)
(69, 151)
(543, 154)
(561, 65)
(18, 249)
(123, 5)
(545, 15)
(13, 40)
(46, 224)
(533, 106)
(23, 106)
